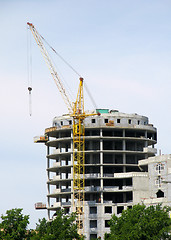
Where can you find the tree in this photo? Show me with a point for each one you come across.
(61, 228)
(14, 225)
(141, 223)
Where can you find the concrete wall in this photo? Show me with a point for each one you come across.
(140, 188)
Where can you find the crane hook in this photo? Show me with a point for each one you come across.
(30, 89)
(30, 108)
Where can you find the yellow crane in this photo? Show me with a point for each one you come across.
(76, 110)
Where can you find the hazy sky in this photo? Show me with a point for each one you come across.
(121, 48)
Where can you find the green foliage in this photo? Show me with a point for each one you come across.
(141, 223)
(61, 228)
(14, 225)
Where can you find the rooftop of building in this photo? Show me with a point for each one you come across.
(107, 118)
(107, 112)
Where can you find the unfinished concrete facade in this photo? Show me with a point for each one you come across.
(114, 143)
(158, 170)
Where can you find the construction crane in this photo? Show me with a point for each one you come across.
(76, 110)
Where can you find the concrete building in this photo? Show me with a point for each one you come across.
(114, 144)
(158, 184)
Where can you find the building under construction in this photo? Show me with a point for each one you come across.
(101, 162)
(114, 143)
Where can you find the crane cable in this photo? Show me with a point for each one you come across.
(69, 65)
(69, 90)
(90, 96)
(29, 70)
(29, 60)
(67, 87)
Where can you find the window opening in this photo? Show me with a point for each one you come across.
(108, 209)
(129, 121)
(106, 120)
(93, 223)
(159, 168)
(61, 123)
(158, 181)
(130, 207)
(160, 194)
(93, 120)
(107, 224)
(118, 120)
(93, 210)
(70, 122)
(120, 209)
(93, 236)
(66, 210)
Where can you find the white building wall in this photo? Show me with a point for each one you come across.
(159, 175)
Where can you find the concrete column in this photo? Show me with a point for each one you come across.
(101, 162)
(59, 183)
(48, 186)
(124, 162)
(124, 197)
(123, 145)
(146, 142)
(124, 149)
(72, 197)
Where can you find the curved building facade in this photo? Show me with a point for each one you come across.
(114, 143)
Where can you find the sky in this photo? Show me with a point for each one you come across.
(122, 50)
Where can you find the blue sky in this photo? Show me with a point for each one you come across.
(121, 48)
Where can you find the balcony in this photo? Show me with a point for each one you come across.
(56, 151)
(56, 191)
(56, 164)
(92, 188)
(66, 203)
(91, 202)
(54, 167)
(151, 151)
(54, 206)
(108, 175)
(92, 175)
(57, 205)
(56, 178)
(127, 188)
(107, 201)
(66, 190)
(111, 188)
